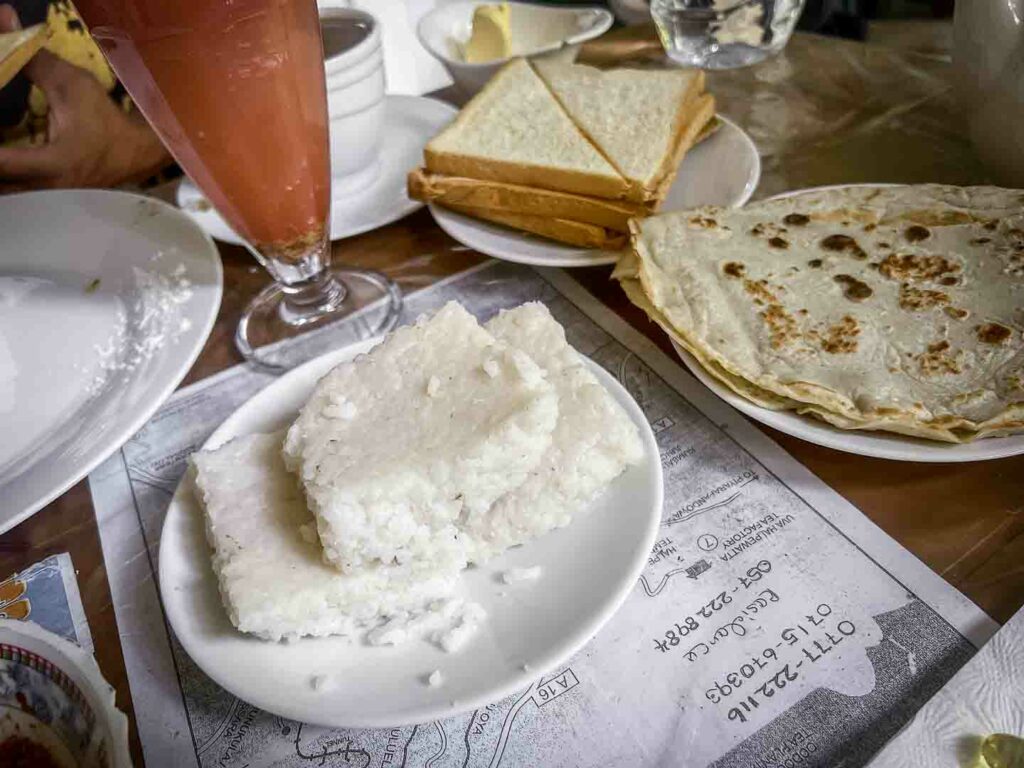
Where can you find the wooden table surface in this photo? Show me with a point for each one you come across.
(824, 112)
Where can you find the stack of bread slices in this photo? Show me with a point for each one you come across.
(566, 151)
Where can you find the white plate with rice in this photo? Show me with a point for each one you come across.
(585, 573)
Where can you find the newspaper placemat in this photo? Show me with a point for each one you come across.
(47, 593)
(774, 624)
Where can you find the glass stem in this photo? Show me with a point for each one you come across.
(309, 289)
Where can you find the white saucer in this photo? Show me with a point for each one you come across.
(722, 170)
(106, 298)
(881, 445)
(535, 626)
(409, 123)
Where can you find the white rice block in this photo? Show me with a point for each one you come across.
(437, 422)
(593, 443)
(272, 578)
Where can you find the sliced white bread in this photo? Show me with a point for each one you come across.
(470, 195)
(515, 131)
(636, 118)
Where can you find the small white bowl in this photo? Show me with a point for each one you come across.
(535, 30)
(53, 694)
(355, 103)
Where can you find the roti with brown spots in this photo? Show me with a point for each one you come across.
(899, 308)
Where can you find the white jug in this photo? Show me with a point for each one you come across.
(988, 57)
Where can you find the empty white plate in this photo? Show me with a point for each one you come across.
(409, 123)
(588, 569)
(722, 170)
(106, 298)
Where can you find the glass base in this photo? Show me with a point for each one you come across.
(285, 326)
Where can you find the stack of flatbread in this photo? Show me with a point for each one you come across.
(566, 151)
(885, 308)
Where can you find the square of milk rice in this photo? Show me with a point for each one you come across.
(434, 424)
(270, 571)
(594, 441)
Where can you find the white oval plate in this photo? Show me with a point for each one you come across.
(86, 356)
(722, 170)
(588, 569)
(409, 123)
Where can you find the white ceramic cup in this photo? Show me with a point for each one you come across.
(354, 67)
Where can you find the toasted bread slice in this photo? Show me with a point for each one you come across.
(563, 230)
(516, 198)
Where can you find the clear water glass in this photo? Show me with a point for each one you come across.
(724, 34)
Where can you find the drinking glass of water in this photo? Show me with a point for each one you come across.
(723, 34)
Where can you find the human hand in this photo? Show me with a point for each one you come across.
(91, 142)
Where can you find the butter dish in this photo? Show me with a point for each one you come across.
(533, 30)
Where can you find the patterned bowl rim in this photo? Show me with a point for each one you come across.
(76, 672)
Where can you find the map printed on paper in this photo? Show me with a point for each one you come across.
(774, 625)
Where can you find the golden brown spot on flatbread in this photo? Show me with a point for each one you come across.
(853, 289)
(914, 299)
(760, 292)
(884, 245)
(843, 244)
(950, 280)
(936, 361)
(981, 240)
(815, 263)
(870, 227)
(916, 266)
(757, 230)
(992, 333)
(916, 233)
(874, 265)
(938, 217)
(802, 312)
(704, 221)
(841, 338)
(796, 219)
(781, 326)
(956, 313)
(991, 224)
(734, 269)
(778, 242)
